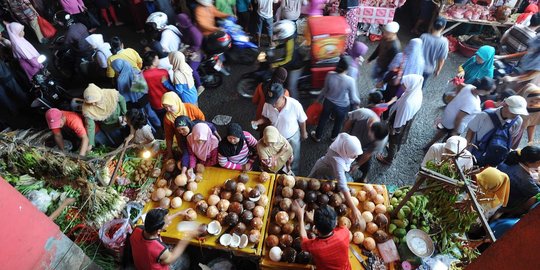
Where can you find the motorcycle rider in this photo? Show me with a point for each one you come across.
(75, 39)
(170, 35)
(285, 54)
(205, 16)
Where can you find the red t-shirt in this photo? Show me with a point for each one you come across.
(330, 253)
(146, 252)
(74, 122)
(379, 109)
(156, 89)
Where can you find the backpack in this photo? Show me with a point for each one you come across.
(495, 145)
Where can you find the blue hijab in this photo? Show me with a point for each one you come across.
(473, 70)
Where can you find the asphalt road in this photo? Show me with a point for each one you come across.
(226, 101)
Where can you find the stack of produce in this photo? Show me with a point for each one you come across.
(104, 204)
(283, 240)
(470, 12)
(413, 215)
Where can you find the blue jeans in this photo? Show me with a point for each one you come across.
(339, 113)
(262, 22)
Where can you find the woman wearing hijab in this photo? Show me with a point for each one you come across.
(479, 65)
(402, 115)
(108, 108)
(24, 12)
(454, 145)
(135, 93)
(275, 152)
(193, 37)
(235, 152)
(202, 146)
(174, 107)
(103, 49)
(23, 50)
(337, 161)
(183, 127)
(182, 79)
(494, 187)
(357, 51)
(411, 60)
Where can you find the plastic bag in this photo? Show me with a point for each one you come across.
(40, 199)
(127, 211)
(47, 29)
(313, 113)
(113, 233)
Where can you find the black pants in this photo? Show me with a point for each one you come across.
(364, 168)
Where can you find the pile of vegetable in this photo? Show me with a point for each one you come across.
(413, 215)
(104, 204)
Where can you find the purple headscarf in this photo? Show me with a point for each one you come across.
(21, 47)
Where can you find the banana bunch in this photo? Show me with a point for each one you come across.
(413, 215)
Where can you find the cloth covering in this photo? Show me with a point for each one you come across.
(182, 72)
(20, 46)
(495, 184)
(228, 149)
(473, 70)
(412, 58)
(106, 101)
(348, 147)
(410, 102)
(171, 98)
(201, 132)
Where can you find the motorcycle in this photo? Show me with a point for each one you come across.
(66, 61)
(47, 93)
(243, 51)
(212, 69)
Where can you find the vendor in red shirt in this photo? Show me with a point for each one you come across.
(148, 250)
(154, 78)
(330, 250)
(73, 122)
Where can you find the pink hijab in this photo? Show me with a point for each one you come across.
(201, 131)
(20, 46)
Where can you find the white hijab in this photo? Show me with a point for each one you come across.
(410, 102)
(348, 148)
(96, 41)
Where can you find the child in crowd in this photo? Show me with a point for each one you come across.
(376, 104)
(140, 131)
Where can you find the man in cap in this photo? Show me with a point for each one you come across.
(435, 47)
(205, 16)
(279, 76)
(385, 52)
(147, 248)
(68, 123)
(288, 116)
(454, 145)
(484, 123)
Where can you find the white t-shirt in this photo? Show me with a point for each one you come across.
(481, 124)
(287, 120)
(143, 135)
(265, 8)
(436, 151)
(466, 102)
(170, 41)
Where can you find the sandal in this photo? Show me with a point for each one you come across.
(383, 160)
(313, 136)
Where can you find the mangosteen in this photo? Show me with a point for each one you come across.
(240, 228)
(289, 255)
(301, 184)
(277, 200)
(287, 192)
(197, 197)
(285, 240)
(335, 200)
(261, 188)
(237, 197)
(230, 185)
(202, 206)
(380, 236)
(247, 216)
(322, 199)
(303, 257)
(310, 197)
(273, 228)
(231, 219)
(326, 186)
(224, 194)
(278, 190)
(285, 204)
(248, 205)
(255, 194)
(342, 210)
(298, 194)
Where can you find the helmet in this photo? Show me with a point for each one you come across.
(283, 29)
(63, 18)
(159, 18)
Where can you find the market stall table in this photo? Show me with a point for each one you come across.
(494, 24)
(215, 177)
(267, 263)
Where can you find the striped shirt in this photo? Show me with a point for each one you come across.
(236, 162)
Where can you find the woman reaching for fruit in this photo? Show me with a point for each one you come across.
(337, 161)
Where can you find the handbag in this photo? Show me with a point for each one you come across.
(313, 113)
(47, 29)
(139, 84)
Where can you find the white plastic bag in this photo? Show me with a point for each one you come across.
(116, 241)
